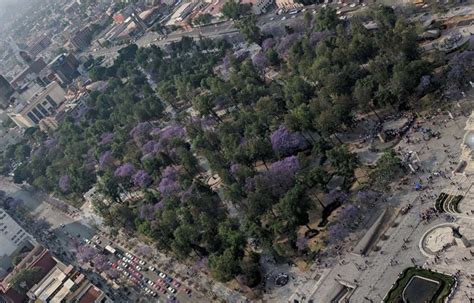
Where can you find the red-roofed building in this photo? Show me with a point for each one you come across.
(39, 257)
(92, 295)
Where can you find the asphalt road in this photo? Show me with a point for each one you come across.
(226, 28)
(68, 229)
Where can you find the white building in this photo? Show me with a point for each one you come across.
(13, 238)
(42, 104)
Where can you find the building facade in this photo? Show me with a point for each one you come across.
(65, 284)
(286, 4)
(41, 105)
(37, 46)
(81, 39)
(65, 68)
(6, 91)
(259, 6)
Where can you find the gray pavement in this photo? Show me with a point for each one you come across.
(374, 274)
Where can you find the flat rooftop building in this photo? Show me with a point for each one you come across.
(41, 105)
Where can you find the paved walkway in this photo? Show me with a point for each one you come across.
(373, 275)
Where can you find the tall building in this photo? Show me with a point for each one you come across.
(18, 251)
(57, 282)
(65, 68)
(81, 39)
(29, 73)
(38, 45)
(42, 104)
(6, 91)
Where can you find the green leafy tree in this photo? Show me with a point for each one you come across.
(342, 160)
(388, 168)
(24, 279)
(202, 19)
(225, 266)
(326, 19)
(235, 10)
(248, 27)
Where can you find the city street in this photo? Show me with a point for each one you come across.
(66, 228)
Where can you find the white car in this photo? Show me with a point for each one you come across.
(162, 275)
(141, 262)
(172, 290)
(138, 268)
(151, 268)
(284, 18)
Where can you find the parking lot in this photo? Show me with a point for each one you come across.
(143, 277)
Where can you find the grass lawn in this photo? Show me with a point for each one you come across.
(446, 283)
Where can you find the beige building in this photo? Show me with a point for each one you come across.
(41, 105)
(65, 284)
(287, 4)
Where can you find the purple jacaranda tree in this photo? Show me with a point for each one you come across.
(336, 233)
(301, 243)
(286, 43)
(144, 250)
(85, 253)
(106, 160)
(287, 166)
(260, 61)
(142, 179)
(147, 212)
(100, 263)
(167, 134)
(147, 148)
(279, 178)
(112, 274)
(140, 133)
(106, 138)
(125, 170)
(285, 142)
(80, 113)
(64, 183)
(268, 43)
(169, 181)
(155, 131)
(349, 215)
(366, 197)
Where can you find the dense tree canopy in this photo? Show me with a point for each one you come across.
(171, 118)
